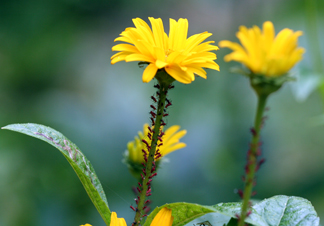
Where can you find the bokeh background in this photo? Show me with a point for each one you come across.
(55, 70)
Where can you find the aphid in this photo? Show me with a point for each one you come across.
(149, 128)
(153, 175)
(153, 114)
(157, 86)
(153, 98)
(153, 107)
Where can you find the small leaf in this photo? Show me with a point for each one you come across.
(75, 157)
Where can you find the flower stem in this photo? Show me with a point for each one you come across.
(150, 158)
(252, 164)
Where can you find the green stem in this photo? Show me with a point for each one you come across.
(150, 159)
(252, 158)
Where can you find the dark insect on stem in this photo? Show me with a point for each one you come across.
(153, 98)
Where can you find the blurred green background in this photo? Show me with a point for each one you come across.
(55, 70)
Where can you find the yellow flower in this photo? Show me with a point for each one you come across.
(86, 225)
(181, 57)
(262, 52)
(171, 142)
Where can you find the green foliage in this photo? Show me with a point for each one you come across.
(183, 212)
(278, 210)
(75, 157)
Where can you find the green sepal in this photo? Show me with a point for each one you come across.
(75, 157)
(164, 78)
(263, 85)
(266, 85)
(136, 168)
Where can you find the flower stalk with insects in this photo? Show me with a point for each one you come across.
(268, 60)
(168, 58)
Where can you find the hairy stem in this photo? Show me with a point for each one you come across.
(252, 163)
(150, 158)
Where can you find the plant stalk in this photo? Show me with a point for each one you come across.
(150, 159)
(251, 166)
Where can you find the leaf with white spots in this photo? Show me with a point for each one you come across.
(75, 157)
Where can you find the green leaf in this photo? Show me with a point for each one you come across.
(182, 212)
(285, 211)
(75, 157)
(276, 211)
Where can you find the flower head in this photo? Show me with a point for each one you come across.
(262, 52)
(170, 143)
(134, 155)
(181, 57)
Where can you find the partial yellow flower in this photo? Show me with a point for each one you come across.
(181, 57)
(163, 218)
(86, 225)
(114, 221)
(171, 142)
(262, 52)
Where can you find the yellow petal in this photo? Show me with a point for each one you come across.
(124, 47)
(158, 31)
(114, 221)
(119, 57)
(197, 70)
(163, 218)
(210, 65)
(191, 43)
(178, 74)
(172, 148)
(138, 57)
(160, 64)
(149, 72)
